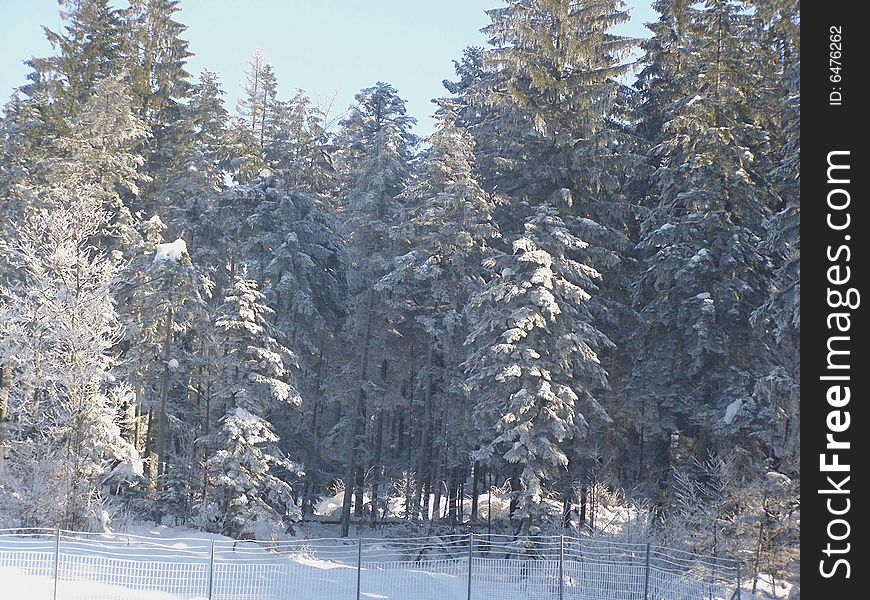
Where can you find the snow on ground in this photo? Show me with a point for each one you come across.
(173, 564)
(18, 584)
(162, 563)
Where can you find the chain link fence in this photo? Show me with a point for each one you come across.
(63, 565)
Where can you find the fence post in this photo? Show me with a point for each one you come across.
(470, 555)
(561, 567)
(359, 568)
(646, 576)
(739, 583)
(56, 559)
(211, 572)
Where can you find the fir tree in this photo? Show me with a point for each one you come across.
(556, 69)
(697, 357)
(91, 47)
(299, 147)
(376, 150)
(251, 489)
(195, 178)
(534, 368)
(159, 79)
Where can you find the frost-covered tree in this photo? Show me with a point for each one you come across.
(101, 142)
(779, 316)
(251, 491)
(696, 356)
(253, 125)
(164, 296)
(447, 228)
(534, 369)
(23, 133)
(376, 150)
(194, 178)
(99, 151)
(58, 326)
(261, 90)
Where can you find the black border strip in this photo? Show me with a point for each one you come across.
(831, 126)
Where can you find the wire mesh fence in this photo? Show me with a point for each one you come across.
(64, 565)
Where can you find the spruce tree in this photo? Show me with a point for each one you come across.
(557, 67)
(534, 370)
(251, 490)
(376, 147)
(447, 228)
(194, 178)
(91, 46)
(696, 356)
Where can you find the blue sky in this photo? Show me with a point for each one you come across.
(330, 48)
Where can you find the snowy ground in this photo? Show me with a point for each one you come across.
(149, 562)
(159, 563)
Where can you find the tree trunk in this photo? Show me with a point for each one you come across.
(452, 494)
(356, 425)
(377, 467)
(516, 486)
(475, 491)
(5, 385)
(435, 469)
(358, 492)
(424, 450)
(163, 424)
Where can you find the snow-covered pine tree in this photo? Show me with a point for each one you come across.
(377, 127)
(195, 178)
(779, 316)
(666, 58)
(485, 120)
(101, 145)
(23, 133)
(290, 246)
(97, 149)
(251, 492)
(376, 146)
(447, 228)
(557, 116)
(534, 369)
(696, 356)
(164, 299)
(557, 67)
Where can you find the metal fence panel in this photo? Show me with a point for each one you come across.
(82, 566)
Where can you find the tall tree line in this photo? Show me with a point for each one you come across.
(575, 282)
